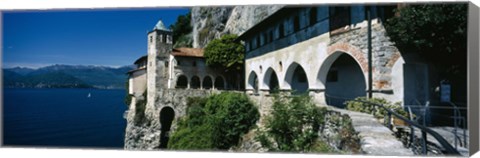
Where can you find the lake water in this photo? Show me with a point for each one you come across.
(63, 118)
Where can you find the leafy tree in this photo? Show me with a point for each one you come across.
(228, 54)
(431, 29)
(181, 28)
(225, 52)
(438, 34)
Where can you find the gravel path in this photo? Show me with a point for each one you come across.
(376, 138)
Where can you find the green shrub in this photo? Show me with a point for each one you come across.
(362, 104)
(198, 138)
(195, 111)
(231, 115)
(140, 106)
(292, 125)
(221, 118)
(321, 147)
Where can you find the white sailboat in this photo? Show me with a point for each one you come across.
(89, 95)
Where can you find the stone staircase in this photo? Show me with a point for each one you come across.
(376, 139)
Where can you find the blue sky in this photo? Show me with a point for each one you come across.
(109, 37)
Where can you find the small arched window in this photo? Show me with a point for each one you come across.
(280, 66)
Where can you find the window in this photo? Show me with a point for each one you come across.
(339, 17)
(151, 39)
(270, 36)
(313, 16)
(267, 38)
(281, 30)
(262, 39)
(169, 39)
(194, 64)
(252, 43)
(296, 24)
(280, 66)
(178, 63)
(332, 76)
(258, 41)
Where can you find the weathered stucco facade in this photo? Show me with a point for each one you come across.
(330, 53)
(189, 70)
(137, 78)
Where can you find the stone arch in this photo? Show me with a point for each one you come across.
(333, 56)
(167, 114)
(296, 78)
(253, 81)
(342, 78)
(219, 83)
(270, 80)
(182, 82)
(353, 51)
(195, 82)
(207, 82)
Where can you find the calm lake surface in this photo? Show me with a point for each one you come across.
(64, 118)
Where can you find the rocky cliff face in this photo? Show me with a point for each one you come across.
(212, 22)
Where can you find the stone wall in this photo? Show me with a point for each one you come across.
(386, 60)
(146, 135)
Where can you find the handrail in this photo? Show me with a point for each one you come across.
(449, 148)
(458, 115)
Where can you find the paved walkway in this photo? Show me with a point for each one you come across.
(376, 139)
(449, 136)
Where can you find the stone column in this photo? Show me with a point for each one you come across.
(318, 96)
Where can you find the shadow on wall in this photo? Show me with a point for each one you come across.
(298, 80)
(344, 80)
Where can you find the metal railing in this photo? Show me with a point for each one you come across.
(459, 121)
(449, 149)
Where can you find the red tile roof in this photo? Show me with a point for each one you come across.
(188, 52)
(143, 58)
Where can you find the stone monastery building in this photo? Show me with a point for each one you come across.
(321, 50)
(171, 68)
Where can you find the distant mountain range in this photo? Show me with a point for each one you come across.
(66, 76)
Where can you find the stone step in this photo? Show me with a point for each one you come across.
(376, 139)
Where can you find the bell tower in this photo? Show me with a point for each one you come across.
(159, 48)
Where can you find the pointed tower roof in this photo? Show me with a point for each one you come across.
(160, 26)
